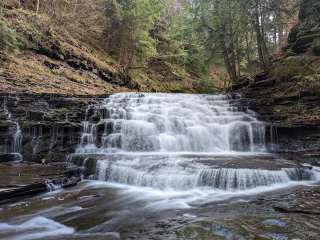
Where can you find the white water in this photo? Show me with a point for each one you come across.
(138, 122)
(16, 141)
(179, 173)
(144, 138)
(161, 152)
(35, 228)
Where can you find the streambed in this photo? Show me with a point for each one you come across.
(173, 166)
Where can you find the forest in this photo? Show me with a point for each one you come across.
(222, 39)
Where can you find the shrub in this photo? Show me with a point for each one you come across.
(8, 38)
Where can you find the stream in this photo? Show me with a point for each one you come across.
(168, 166)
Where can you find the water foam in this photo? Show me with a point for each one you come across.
(35, 228)
(181, 174)
(142, 140)
(138, 122)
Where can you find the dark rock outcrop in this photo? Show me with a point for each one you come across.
(21, 180)
(50, 125)
(53, 50)
(305, 36)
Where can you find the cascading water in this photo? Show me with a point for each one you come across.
(171, 142)
(139, 122)
(16, 141)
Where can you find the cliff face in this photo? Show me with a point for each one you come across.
(40, 127)
(305, 36)
(289, 94)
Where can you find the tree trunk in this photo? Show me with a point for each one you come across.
(261, 44)
(238, 61)
(229, 66)
(248, 48)
(231, 47)
(38, 5)
(75, 7)
(280, 36)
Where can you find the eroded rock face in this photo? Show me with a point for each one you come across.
(50, 126)
(306, 35)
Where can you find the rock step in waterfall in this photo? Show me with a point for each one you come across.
(138, 122)
(183, 175)
(159, 140)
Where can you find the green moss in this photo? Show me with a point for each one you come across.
(8, 38)
(292, 66)
(90, 166)
(316, 47)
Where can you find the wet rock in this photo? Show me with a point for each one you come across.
(88, 163)
(20, 180)
(275, 222)
(226, 233)
(25, 191)
(302, 202)
(50, 125)
(8, 157)
(276, 236)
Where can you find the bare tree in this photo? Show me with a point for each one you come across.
(38, 5)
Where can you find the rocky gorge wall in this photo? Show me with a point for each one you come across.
(47, 128)
(50, 126)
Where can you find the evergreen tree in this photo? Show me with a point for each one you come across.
(8, 38)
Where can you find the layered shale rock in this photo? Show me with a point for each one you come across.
(49, 125)
(305, 36)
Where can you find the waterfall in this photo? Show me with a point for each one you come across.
(36, 133)
(138, 122)
(185, 175)
(171, 142)
(16, 141)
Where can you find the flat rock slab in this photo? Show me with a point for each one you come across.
(268, 162)
(22, 174)
(22, 180)
(243, 161)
